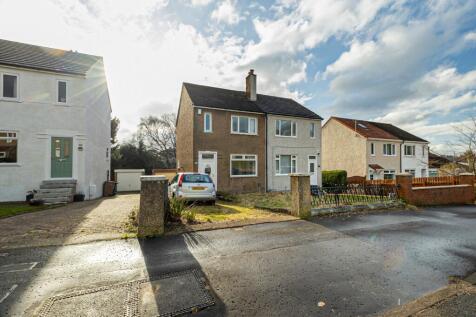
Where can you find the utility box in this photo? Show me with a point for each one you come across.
(128, 180)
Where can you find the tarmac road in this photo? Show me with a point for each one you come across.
(358, 265)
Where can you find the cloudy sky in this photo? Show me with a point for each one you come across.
(410, 63)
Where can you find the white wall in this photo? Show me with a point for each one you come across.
(36, 117)
(302, 145)
(417, 162)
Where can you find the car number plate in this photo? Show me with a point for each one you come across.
(198, 188)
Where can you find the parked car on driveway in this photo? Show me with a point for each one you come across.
(193, 187)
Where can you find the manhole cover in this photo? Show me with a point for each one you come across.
(173, 295)
(167, 295)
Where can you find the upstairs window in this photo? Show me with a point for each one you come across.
(207, 122)
(312, 130)
(409, 150)
(243, 125)
(372, 149)
(389, 149)
(8, 147)
(286, 128)
(62, 91)
(10, 86)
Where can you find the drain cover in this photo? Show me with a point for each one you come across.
(166, 295)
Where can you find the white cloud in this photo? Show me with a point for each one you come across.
(200, 2)
(226, 12)
(470, 37)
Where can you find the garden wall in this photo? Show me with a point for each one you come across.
(436, 195)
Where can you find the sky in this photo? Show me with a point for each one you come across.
(409, 63)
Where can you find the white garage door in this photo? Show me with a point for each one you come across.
(128, 179)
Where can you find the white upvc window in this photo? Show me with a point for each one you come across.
(410, 171)
(8, 147)
(285, 164)
(312, 130)
(10, 86)
(388, 174)
(62, 91)
(243, 165)
(286, 128)
(372, 149)
(409, 150)
(244, 125)
(423, 150)
(389, 149)
(207, 122)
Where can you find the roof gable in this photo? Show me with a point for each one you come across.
(219, 98)
(45, 58)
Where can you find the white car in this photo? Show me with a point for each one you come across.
(193, 187)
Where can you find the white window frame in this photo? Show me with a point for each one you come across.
(277, 164)
(16, 137)
(312, 128)
(57, 92)
(392, 147)
(412, 151)
(205, 114)
(255, 159)
(411, 171)
(389, 172)
(17, 98)
(249, 125)
(293, 124)
(372, 148)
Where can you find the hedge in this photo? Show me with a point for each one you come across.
(334, 178)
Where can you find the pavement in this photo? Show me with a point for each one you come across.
(80, 222)
(340, 266)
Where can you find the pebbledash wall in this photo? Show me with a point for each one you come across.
(436, 195)
(36, 117)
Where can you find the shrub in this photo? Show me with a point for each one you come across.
(189, 215)
(176, 208)
(334, 178)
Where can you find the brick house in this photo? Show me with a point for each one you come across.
(247, 142)
(373, 150)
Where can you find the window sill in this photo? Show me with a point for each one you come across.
(238, 133)
(286, 136)
(208, 132)
(241, 176)
(10, 99)
(10, 164)
(62, 104)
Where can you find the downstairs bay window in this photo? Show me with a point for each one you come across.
(285, 164)
(243, 165)
(8, 147)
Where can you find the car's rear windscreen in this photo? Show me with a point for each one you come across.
(196, 178)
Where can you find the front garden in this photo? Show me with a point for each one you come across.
(16, 208)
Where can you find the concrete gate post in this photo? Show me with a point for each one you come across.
(153, 206)
(468, 179)
(404, 186)
(301, 195)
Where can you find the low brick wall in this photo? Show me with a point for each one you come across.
(436, 195)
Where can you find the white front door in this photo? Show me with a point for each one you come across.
(207, 163)
(312, 168)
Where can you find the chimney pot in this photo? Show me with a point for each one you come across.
(251, 85)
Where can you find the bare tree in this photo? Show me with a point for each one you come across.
(467, 142)
(159, 135)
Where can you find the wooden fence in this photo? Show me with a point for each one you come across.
(420, 181)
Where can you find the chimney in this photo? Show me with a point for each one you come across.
(251, 86)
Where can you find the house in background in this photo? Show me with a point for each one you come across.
(54, 123)
(246, 141)
(373, 150)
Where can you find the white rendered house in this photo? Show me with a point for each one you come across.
(54, 120)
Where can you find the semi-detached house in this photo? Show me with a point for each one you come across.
(373, 150)
(246, 141)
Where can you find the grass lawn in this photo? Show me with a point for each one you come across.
(243, 207)
(12, 209)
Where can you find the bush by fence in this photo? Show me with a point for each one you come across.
(334, 178)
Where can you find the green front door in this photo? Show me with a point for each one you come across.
(61, 157)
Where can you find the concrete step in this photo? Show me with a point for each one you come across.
(52, 195)
(58, 185)
(56, 200)
(62, 190)
(59, 181)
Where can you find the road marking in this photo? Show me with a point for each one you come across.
(8, 293)
(18, 267)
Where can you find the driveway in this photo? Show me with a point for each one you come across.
(79, 222)
(358, 265)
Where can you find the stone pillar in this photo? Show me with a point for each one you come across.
(301, 195)
(153, 205)
(404, 186)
